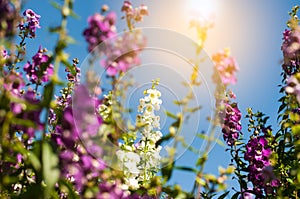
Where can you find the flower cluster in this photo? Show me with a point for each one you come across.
(110, 190)
(225, 67)
(231, 126)
(65, 99)
(14, 83)
(293, 85)
(114, 190)
(122, 54)
(134, 14)
(32, 23)
(291, 49)
(141, 161)
(22, 112)
(80, 156)
(40, 70)
(149, 152)
(100, 29)
(260, 170)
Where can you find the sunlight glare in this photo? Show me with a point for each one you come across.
(201, 8)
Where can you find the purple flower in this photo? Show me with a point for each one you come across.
(100, 29)
(231, 123)
(109, 190)
(21, 112)
(246, 195)
(80, 157)
(33, 22)
(260, 170)
(68, 132)
(40, 70)
(14, 83)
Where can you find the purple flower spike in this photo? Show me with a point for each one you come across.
(32, 23)
(260, 170)
(232, 124)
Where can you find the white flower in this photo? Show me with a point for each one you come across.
(155, 122)
(121, 155)
(129, 160)
(153, 93)
(133, 183)
(142, 102)
(156, 136)
(140, 108)
(132, 168)
(149, 110)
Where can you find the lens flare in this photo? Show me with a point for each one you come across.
(201, 8)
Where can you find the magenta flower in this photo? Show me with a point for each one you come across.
(231, 127)
(21, 112)
(76, 134)
(79, 164)
(260, 170)
(100, 29)
(32, 23)
(40, 70)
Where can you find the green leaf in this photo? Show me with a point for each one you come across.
(203, 136)
(70, 40)
(201, 160)
(290, 180)
(183, 168)
(194, 109)
(281, 108)
(168, 170)
(220, 142)
(163, 139)
(177, 102)
(224, 195)
(71, 191)
(48, 94)
(55, 5)
(50, 171)
(26, 123)
(34, 160)
(74, 15)
(171, 115)
(236, 195)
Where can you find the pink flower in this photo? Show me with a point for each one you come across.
(225, 67)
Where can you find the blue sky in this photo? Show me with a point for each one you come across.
(252, 29)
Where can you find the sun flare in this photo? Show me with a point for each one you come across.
(201, 8)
